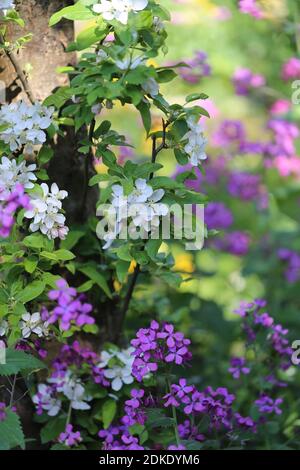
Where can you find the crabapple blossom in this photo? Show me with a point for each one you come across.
(196, 142)
(119, 9)
(45, 212)
(24, 125)
(12, 173)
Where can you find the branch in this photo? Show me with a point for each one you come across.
(21, 75)
(155, 152)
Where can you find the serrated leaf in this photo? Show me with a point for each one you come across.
(11, 433)
(17, 361)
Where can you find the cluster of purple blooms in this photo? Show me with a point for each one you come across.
(268, 405)
(229, 133)
(237, 243)
(70, 438)
(197, 68)
(119, 438)
(71, 308)
(238, 367)
(254, 319)
(10, 202)
(292, 260)
(244, 81)
(216, 404)
(244, 186)
(217, 216)
(2, 411)
(157, 345)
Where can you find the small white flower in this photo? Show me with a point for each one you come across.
(33, 324)
(151, 87)
(44, 399)
(101, 56)
(74, 390)
(196, 144)
(3, 328)
(119, 376)
(130, 64)
(106, 356)
(141, 192)
(119, 9)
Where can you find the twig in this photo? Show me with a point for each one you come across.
(12, 392)
(21, 75)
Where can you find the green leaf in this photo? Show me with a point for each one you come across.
(37, 240)
(53, 429)
(73, 12)
(11, 433)
(181, 157)
(144, 109)
(45, 154)
(196, 96)
(108, 412)
(31, 291)
(165, 182)
(152, 247)
(165, 76)
(89, 36)
(123, 252)
(122, 270)
(95, 275)
(17, 361)
(58, 255)
(30, 264)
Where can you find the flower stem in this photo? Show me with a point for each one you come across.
(174, 415)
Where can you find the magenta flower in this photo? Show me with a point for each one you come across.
(70, 438)
(244, 81)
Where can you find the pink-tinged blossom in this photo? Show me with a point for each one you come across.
(280, 107)
(291, 69)
(70, 438)
(251, 7)
(244, 81)
(285, 133)
(287, 166)
(266, 404)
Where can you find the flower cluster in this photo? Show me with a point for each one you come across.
(45, 212)
(70, 438)
(196, 142)
(244, 80)
(117, 367)
(244, 185)
(119, 9)
(217, 216)
(268, 405)
(10, 202)
(197, 68)
(70, 309)
(141, 205)
(119, 438)
(24, 125)
(13, 173)
(158, 345)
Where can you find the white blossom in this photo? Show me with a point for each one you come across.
(44, 210)
(12, 173)
(3, 328)
(151, 87)
(119, 375)
(195, 147)
(101, 56)
(44, 399)
(128, 63)
(24, 125)
(74, 390)
(6, 5)
(119, 9)
(33, 324)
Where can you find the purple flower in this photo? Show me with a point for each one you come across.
(10, 202)
(244, 80)
(292, 261)
(238, 367)
(230, 132)
(70, 308)
(197, 68)
(133, 409)
(70, 438)
(217, 216)
(2, 411)
(245, 422)
(175, 447)
(267, 405)
(244, 186)
(236, 243)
